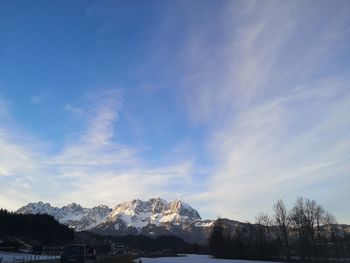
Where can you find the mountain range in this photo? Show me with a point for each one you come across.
(153, 217)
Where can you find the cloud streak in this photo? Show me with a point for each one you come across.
(91, 168)
(276, 110)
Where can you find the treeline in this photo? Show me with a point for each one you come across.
(306, 232)
(102, 243)
(39, 229)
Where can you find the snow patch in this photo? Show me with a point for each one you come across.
(21, 257)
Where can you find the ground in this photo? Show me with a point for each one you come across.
(192, 259)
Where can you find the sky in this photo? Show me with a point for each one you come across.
(226, 105)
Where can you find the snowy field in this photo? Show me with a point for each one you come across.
(21, 257)
(194, 259)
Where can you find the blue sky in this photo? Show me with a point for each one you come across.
(228, 105)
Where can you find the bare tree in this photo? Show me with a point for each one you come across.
(306, 216)
(320, 219)
(302, 217)
(265, 220)
(346, 238)
(282, 222)
(333, 228)
(310, 216)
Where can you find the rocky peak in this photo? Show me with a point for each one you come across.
(158, 205)
(155, 211)
(101, 208)
(38, 208)
(183, 209)
(72, 208)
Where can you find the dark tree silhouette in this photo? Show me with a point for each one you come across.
(306, 232)
(42, 229)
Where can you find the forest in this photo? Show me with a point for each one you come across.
(36, 229)
(102, 243)
(306, 233)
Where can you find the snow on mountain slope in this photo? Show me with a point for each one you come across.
(153, 217)
(73, 215)
(135, 213)
(155, 211)
(38, 208)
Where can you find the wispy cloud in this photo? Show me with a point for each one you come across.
(18, 161)
(4, 172)
(72, 109)
(95, 145)
(99, 164)
(37, 98)
(276, 110)
(92, 167)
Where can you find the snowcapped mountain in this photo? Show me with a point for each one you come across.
(153, 217)
(73, 215)
(38, 208)
(155, 211)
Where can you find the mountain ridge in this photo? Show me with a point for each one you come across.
(153, 217)
(73, 215)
